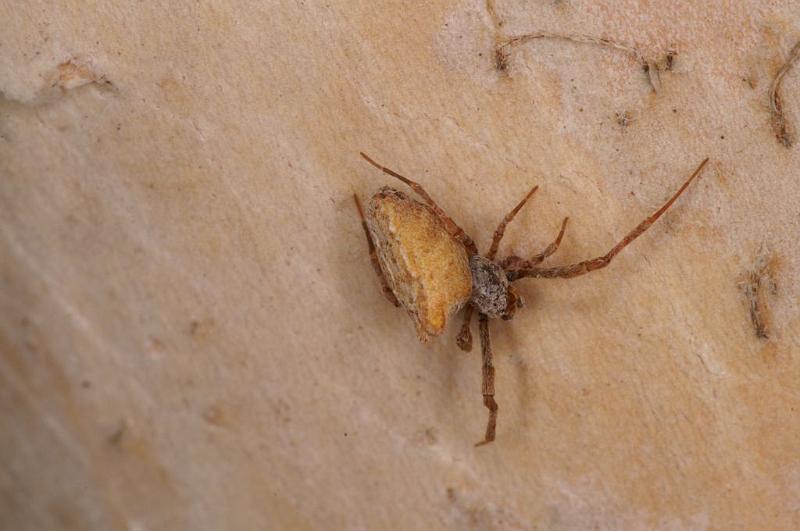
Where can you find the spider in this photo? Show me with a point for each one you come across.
(427, 263)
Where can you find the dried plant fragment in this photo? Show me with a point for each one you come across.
(783, 129)
(75, 73)
(760, 282)
(624, 118)
(650, 67)
(116, 438)
(500, 59)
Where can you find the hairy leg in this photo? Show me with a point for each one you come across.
(452, 228)
(464, 337)
(373, 256)
(586, 266)
(488, 380)
(515, 262)
(501, 228)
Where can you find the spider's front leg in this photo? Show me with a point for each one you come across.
(517, 262)
(581, 268)
(450, 226)
(373, 256)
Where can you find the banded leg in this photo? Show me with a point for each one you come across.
(464, 337)
(501, 228)
(516, 262)
(586, 266)
(452, 228)
(487, 380)
(373, 256)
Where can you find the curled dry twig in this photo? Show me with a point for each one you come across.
(783, 130)
(650, 67)
(757, 280)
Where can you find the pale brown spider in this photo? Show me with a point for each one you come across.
(430, 266)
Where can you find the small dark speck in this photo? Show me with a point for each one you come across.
(345, 434)
(116, 437)
(674, 110)
(580, 109)
(86, 384)
(722, 137)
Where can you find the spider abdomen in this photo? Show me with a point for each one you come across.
(425, 267)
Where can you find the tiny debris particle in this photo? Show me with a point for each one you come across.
(214, 415)
(75, 73)
(624, 118)
(116, 437)
(670, 60)
(501, 60)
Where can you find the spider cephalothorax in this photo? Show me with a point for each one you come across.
(492, 293)
(431, 267)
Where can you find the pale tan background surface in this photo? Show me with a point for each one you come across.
(191, 333)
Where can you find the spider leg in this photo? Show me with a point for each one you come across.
(452, 228)
(464, 337)
(553, 247)
(488, 380)
(373, 256)
(586, 266)
(515, 262)
(501, 228)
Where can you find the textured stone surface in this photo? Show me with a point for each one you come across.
(191, 334)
